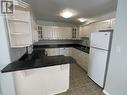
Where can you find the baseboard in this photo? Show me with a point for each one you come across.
(105, 92)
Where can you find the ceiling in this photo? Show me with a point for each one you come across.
(49, 9)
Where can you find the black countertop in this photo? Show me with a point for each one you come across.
(77, 46)
(37, 60)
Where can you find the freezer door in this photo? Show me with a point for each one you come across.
(100, 40)
(97, 65)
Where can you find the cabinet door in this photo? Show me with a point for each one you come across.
(104, 25)
(113, 22)
(69, 33)
(72, 52)
(85, 60)
(64, 51)
(43, 81)
(81, 58)
(19, 34)
(34, 29)
(53, 51)
(19, 26)
(80, 32)
(21, 15)
(76, 55)
(55, 32)
(87, 30)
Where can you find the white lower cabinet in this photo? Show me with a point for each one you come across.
(52, 51)
(64, 51)
(49, 80)
(43, 81)
(57, 51)
(81, 58)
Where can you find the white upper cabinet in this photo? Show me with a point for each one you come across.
(75, 33)
(19, 28)
(113, 22)
(85, 31)
(57, 32)
(34, 28)
(20, 15)
(105, 25)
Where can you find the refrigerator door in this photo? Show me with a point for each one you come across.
(100, 40)
(0, 86)
(97, 65)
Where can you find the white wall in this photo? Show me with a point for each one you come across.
(116, 81)
(6, 80)
(16, 53)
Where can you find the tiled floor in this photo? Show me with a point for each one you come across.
(81, 84)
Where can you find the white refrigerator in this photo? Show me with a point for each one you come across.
(99, 54)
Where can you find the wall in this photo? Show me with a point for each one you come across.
(16, 53)
(51, 23)
(6, 80)
(116, 81)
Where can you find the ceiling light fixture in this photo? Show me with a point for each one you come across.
(67, 13)
(82, 19)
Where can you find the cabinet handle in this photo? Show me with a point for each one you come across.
(46, 53)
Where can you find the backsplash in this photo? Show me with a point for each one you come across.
(86, 41)
(16, 53)
(44, 42)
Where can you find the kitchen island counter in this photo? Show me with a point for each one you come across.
(37, 59)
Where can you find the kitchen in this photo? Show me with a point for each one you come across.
(52, 48)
